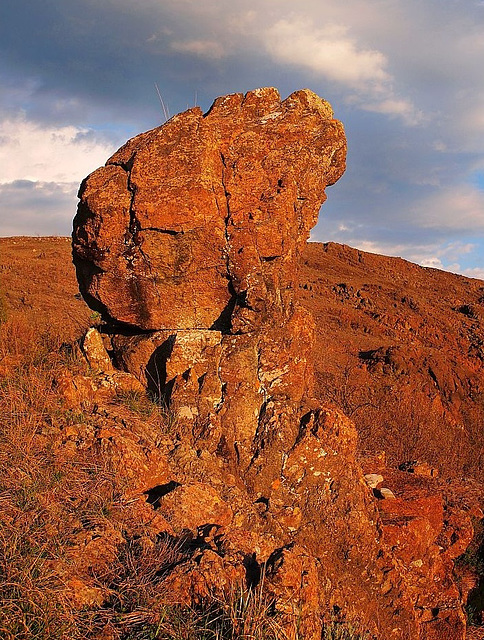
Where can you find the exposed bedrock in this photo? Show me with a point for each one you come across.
(188, 243)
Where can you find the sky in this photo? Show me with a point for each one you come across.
(77, 79)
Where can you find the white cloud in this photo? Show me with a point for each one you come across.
(37, 208)
(202, 48)
(446, 256)
(42, 167)
(458, 252)
(467, 129)
(30, 151)
(389, 248)
(329, 51)
(397, 107)
(474, 272)
(433, 262)
(333, 53)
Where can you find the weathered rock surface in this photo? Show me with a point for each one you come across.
(208, 213)
(426, 534)
(188, 243)
(194, 230)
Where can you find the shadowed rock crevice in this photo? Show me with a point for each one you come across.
(224, 322)
(155, 371)
(154, 495)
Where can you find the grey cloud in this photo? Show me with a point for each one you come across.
(37, 208)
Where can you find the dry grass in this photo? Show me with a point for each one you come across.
(341, 631)
(240, 614)
(51, 494)
(45, 493)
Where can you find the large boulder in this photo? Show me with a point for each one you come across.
(208, 213)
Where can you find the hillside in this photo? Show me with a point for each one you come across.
(237, 447)
(398, 348)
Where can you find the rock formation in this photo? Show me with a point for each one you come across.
(199, 223)
(192, 232)
(187, 242)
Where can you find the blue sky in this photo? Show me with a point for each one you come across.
(405, 77)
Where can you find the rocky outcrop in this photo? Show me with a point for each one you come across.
(188, 243)
(193, 232)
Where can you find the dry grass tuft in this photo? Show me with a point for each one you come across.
(45, 493)
(342, 631)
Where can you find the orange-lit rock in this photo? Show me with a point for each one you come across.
(208, 212)
(188, 242)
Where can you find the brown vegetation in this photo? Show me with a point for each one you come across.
(76, 561)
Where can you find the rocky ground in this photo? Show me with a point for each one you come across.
(398, 349)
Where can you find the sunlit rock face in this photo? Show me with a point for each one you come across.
(199, 223)
(188, 243)
(189, 238)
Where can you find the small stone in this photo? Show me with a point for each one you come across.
(95, 352)
(386, 493)
(373, 480)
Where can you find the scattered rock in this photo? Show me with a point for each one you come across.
(373, 479)
(95, 352)
(79, 390)
(194, 507)
(385, 493)
(419, 468)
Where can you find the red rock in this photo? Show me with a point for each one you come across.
(207, 211)
(189, 242)
(193, 506)
(80, 390)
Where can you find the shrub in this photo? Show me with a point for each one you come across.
(473, 560)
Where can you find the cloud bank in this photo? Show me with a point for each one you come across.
(42, 166)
